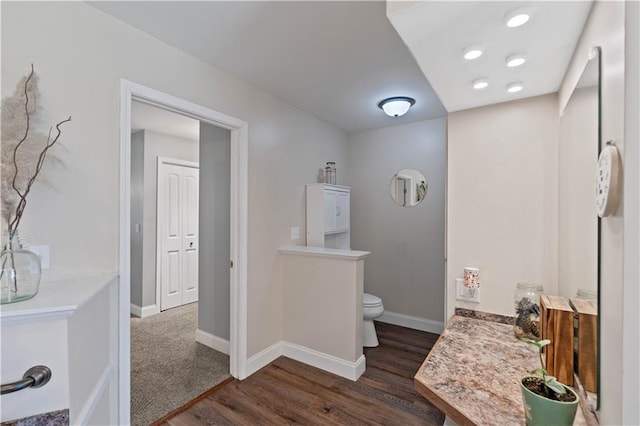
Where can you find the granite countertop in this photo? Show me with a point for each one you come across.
(472, 373)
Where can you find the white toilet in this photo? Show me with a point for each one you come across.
(371, 309)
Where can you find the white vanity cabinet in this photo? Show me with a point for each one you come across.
(328, 216)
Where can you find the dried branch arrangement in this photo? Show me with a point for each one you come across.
(24, 149)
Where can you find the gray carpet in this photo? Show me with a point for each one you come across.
(168, 367)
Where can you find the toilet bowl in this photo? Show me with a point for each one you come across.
(371, 309)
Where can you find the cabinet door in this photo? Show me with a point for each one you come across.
(329, 210)
(342, 211)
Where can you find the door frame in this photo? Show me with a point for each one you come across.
(130, 91)
(176, 162)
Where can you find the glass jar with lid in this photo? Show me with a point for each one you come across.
(527, 308)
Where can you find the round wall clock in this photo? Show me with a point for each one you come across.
(607, 180)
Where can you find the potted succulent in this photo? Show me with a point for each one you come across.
(547, 401)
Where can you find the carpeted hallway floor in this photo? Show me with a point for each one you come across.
(168, 367)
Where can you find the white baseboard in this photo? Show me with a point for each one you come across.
(145, 311)
(214, 342)
(338, 366)
(409, 321)
(264, 357)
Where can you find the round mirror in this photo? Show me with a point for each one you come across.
(408, 187)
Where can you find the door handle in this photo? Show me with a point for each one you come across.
(191, 244)
(34, 377)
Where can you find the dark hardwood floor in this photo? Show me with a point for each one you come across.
(289, 392)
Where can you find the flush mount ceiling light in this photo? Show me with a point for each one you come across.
(480, 83)
(516, 18)
(397, 106)
(472, 52)
(515, 60)
(514, 87)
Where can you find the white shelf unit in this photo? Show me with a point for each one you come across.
(328, 216)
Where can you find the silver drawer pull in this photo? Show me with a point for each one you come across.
(35, 377)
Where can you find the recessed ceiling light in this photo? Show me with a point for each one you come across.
(515, 60)
(480, 83)
(514, 87)
(516, 18)
(472, 52)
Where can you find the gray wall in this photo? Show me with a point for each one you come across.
(406, 265)
(213, 269)
(137, 211)
(155, 145)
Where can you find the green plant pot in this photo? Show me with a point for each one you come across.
(541, 411)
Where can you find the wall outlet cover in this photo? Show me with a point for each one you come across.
(466, 295)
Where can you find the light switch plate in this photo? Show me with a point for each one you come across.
(43, 253)
(463, 293)
(295, 233)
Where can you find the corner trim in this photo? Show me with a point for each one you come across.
(409, 321)
(338, 366)
(145, 311)
(264, 357)
(214, 342)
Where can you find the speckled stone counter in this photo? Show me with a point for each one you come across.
(472, 373)
(55, 418)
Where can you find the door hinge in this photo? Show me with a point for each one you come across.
(231, 264)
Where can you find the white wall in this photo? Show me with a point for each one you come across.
(81, 54)
(502, 199)
(157, 145)
(605, 28)
(406, 265)
(213, 260)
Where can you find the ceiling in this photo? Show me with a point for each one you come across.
(338, 59)
(438, 32)
(333, 59)
(147, 117)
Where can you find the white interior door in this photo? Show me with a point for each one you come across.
(177, 232)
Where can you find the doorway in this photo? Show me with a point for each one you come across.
(238, 229)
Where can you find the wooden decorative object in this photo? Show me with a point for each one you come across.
(587, 313)
(556, 324)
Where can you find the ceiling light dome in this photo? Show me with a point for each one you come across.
(397, 106)
(516, 18)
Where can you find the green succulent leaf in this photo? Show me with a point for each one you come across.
(553, 384)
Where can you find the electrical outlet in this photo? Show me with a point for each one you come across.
(43, 254)
(465, 294)
(295, 233)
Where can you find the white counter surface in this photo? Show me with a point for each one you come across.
(56, 299)
(325, 252)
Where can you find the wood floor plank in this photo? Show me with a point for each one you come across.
(289, 392)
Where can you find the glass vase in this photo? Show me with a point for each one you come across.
(21, 271)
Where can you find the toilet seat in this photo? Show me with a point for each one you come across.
(370, 301)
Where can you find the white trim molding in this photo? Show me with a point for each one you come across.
(264, 358)
(408, 321)
(340, 367)
(343, 368)
(144, 311)
(107, 377)
(130, 91)
(214, 342)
